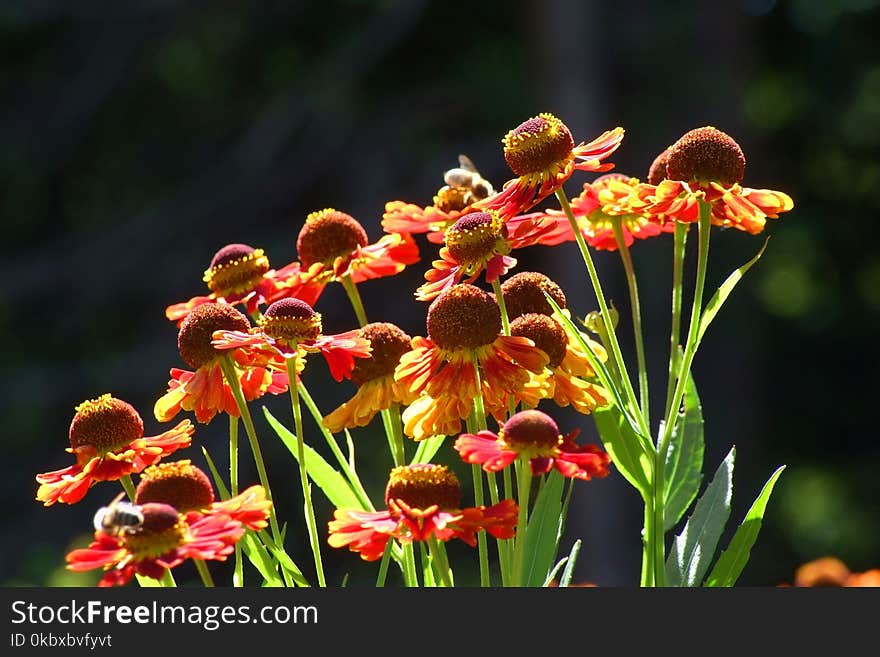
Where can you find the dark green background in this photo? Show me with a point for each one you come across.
(140, 137)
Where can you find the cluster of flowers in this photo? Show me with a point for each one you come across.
(498, 353)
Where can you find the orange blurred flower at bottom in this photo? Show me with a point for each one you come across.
(424, 502)
(832, 572)
(107, 439)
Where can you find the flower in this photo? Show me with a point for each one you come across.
(478, 241)
(707, 165)
(832, 572)
(332, 245)
(464, 328)
(187, 488)
(164, 540)
(374, 376)
(107, 439)
(205, 390)
(534, 435)
(291, 327)
(423, 502)
(542, 153)
(238, 274)
(464, 187)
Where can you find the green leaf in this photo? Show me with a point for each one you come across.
(218, 480)
(427, 449)
(693, 549)
(331, 482)
(565, 580)
(724, 291)
(260, 558)
(732, 561)
(541, 538)
(623, 445)
(684, 460)
(289, 566)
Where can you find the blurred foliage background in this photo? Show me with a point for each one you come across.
(140, 137)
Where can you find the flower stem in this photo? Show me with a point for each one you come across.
(603, 308)
(441, 563)
(635, 308)
(168, 579)
(410, 578)
(238, 570)
(502, 306)
(678, 252)
(128, 486)
(204, 573)
(524, 484)
(311, 523)
(355, 298)
(683, 370)
(228, 368)
(383, 566)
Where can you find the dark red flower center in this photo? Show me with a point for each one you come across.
(657, 171)
(388, 344)
(463, 317)
(545, 332)
(423, 485)
(538, 145)
(531, 428)
(236, 268)
(178, 483)
(476, 237)
(706, 155)
(105, 423)
(327, 235)
(292, 320)
(197, 329)
(162, 531)
(524, 293)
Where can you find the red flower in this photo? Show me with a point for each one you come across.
(424, 501)
(205, 391)
(542, 153)
(107, 439)
(163, 540)
(535, 435)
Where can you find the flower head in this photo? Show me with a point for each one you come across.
(423, 502)
(333, 245)
(204, 390)
(107, 440)
(534, 435)
(374, 376)
(706, 155)
(464, 331)
(542, 153)
(291, 328)
(524, 293)
(164, 540)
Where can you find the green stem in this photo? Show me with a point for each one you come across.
(231, 377)
(168, 579)
(394, 432)
(204, 573)
(648, 541)
(238, 570)
(311, 523)
(690, 350)
(128, 486)
(355, 298)
(499, 297)
(383, 566)
(603, 308)
(438, 555)
(410, 577)
(524, 483)
(678, 253)
(635, 308)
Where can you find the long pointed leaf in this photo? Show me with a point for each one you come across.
(732, 561)
(427, 449)
(623, 446)
(542, 534)
(724, 291)
(331, 482)
(693, 549)
(684, 461)
(565, 580)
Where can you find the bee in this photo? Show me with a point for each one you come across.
(119, 518)
(467, 181)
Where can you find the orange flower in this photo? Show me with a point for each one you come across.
(238, 274)
(464, 187)
(464, 325)
(542, 153)
(333, 245)
(424, 502)
(187, 488)
(377, 389)
(831, 571)
(107, 439)
(162, 540)
(291, 327)
(535, 435)
(478, 241)
(707, 164)
(204, 390)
